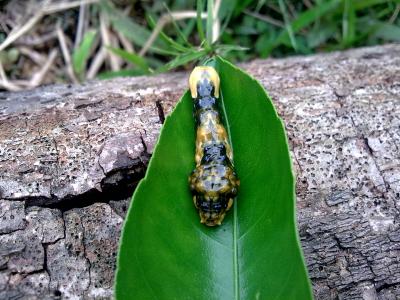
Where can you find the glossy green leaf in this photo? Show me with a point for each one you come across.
(166, 253)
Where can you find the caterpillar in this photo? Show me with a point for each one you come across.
(213, 183)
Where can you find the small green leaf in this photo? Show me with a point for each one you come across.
(166, 253)
(82, 53)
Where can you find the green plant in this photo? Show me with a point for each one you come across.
(262, 28)
(145, 37)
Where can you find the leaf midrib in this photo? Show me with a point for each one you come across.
(235, 222)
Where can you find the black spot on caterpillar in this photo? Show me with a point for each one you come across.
(214, 183)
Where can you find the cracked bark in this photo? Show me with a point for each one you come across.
(70, 157)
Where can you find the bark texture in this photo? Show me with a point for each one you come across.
(70, 157)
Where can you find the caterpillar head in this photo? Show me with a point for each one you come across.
(213, 187)
(203, 77)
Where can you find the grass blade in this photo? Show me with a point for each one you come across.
(200, 28)
(348, 23)
(133, 58)
(210, 21)
(183, 59)
(287, 24)
(166, 38)
(181, 35)
(82, 53)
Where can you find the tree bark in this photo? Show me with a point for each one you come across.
(70, 157)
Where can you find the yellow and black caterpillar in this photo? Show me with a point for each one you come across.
(213, 182)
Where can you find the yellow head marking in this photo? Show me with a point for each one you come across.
(200, 73)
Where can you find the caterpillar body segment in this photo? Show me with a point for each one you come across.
(213, 182)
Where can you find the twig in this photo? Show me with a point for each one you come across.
(106, 41)
(115, 44)
(395, 14)
(5, 83)
(17, 32)
(97, 62)
(165, 19)
(125, 43)
(307, 3)
(66, 5)
(291, 8)
(34, 41)
(39, 76)
(66, 55)
(36, 57)
(264, 18)
(81, 20)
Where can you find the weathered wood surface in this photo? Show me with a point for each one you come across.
(70, 156)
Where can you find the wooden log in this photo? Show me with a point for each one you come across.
(71, 155)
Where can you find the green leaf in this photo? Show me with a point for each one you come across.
(133, 58)
(387, 32)
(82, 53)
(166, 253)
